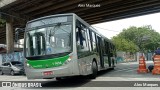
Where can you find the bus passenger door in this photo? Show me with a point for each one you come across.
(100, 51)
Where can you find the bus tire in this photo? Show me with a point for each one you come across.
(58, 78)
(94, 70)
(112, 68)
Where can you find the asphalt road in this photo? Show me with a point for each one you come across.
(124, 76)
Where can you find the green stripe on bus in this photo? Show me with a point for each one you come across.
(48, 63)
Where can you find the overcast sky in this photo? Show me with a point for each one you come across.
(112, 28)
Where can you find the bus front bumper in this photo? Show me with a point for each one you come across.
(61, 71)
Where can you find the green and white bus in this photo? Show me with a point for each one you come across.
(65, 45)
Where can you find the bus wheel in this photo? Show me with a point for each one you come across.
(58, 78)
(112, 68)
(94, 70)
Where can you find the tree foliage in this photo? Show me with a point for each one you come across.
(124, 45)
(145, 38)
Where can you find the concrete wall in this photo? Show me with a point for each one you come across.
(0, 59)
(127, 57)
(16, 56)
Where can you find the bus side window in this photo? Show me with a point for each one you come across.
(105, 47)
(96, 38)
(89, 40)
(94, 42)
(81, 38)
(111, 50)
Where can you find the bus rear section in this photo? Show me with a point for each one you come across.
(94, 51)
(48, 49)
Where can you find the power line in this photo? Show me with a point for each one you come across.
(106, 29)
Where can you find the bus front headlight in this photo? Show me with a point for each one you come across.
(28, 65)
(68, 60)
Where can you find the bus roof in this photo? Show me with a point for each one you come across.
(76, 17)
(50, 16)
(92, 28)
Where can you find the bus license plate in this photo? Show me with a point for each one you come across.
(47, 73)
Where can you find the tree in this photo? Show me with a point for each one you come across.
(124, 45)
(145, 38)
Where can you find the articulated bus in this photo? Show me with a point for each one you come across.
(64, 45)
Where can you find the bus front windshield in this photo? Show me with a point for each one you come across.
(48, 39)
